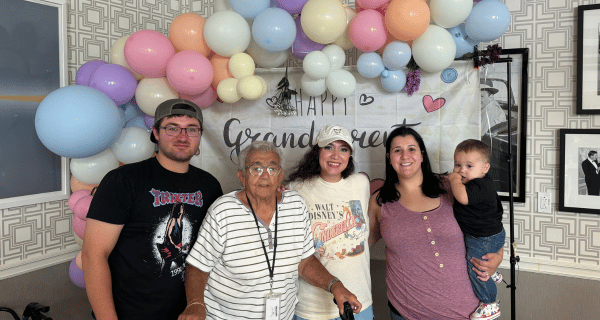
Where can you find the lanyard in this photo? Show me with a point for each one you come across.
(271, 270)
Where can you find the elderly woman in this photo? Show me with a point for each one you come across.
(252, 246)
(426, 266)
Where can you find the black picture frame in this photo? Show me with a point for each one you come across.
(588, 59)
(496, 135)
(575, 145)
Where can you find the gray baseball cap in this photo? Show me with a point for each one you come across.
(175, 107)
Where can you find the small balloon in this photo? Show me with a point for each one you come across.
(317, 65)
(227, 90)
(336, 56)
(250, 87)
(341, 83)
(393, 81)
(312, 87)
(463, 43)
(369, 65)
(396, 55)
(241, 65)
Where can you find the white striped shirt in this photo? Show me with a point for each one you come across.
(229, 249)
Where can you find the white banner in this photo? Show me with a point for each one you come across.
(445, 111)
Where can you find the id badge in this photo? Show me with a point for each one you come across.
(272, 304)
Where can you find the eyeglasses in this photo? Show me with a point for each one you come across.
(174, 131)
(257, 170)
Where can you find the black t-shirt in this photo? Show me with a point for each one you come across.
(161, 212)
(482, 217)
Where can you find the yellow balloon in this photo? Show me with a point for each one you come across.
(241, 64)
(323, 21)
(227, 90)
(344, 41)
(265, 87)
(118, 57)
(250, 87)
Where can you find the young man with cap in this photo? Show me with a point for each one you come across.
(491, 112)
(143, 219)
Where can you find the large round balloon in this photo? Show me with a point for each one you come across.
(369, 65)
(434, 50)
(265, 58)
(227, 33)
(312, 87)
(249, 9)
(202, 100)
(151, 92)
(396, 55)
(367, 31)
(317, 65)
(344, 41)
(116, 81)
(463, 43)
(92, 169)
(303, 44)
(189, 72)
(323, 21)
(407, 19)
(78, 121)
(488, 20)
(82, 77)
(341, 83)
(147, 52)
(291, 6)
(274, 29)
(186, 32)
(450, 13)
(117, 56)
(133, 146)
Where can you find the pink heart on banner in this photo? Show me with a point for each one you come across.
(432, 105)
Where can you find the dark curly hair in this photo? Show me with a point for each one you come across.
(309, 166)
(431, 183)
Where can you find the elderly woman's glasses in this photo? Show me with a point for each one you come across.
(174, 131)
(257, 170)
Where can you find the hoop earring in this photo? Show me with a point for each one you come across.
(198, 152)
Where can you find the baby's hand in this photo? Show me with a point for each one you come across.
(452, 176)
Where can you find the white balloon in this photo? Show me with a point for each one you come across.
(91, 170)
(133, 145)
(316, 64)
(450, 13)
(312, 87)
(117, 56)
(227, 33)
(264, 58)
(434, 50)
(341, 83)
(151, 92)
(336, 56)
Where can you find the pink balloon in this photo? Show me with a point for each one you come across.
(367, 30)
(116, 81)
(75, 196)
(82, 206)
(371, 4)
(189, 72)
(204, 99)
(147, 52)
(78, 227)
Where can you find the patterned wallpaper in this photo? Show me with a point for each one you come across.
(558, 242)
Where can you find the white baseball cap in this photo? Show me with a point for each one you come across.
(331, 133)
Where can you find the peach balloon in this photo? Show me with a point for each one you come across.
(407, 19)
(220, 66)
(77, 185)
(187, 33)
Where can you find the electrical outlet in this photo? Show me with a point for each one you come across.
(544, 202)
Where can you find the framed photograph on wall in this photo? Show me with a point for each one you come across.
(588, 59)
(503, 88)
(579, 181)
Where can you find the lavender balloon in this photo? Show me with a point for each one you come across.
(291, 6)
(84, 73)
(76, 275)
(149, 120)
(302, 44)
(115, 81)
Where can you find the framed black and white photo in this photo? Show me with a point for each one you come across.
(588, 59)
(503, 119)
(579, 183)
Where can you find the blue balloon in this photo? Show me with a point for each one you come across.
(369, 65)
(464, 44)
(393, 81)
(488, 20)
(137, 122)
(78, 121)
(249, 8)
(274, 30)
(396, 55)
(131, 110)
